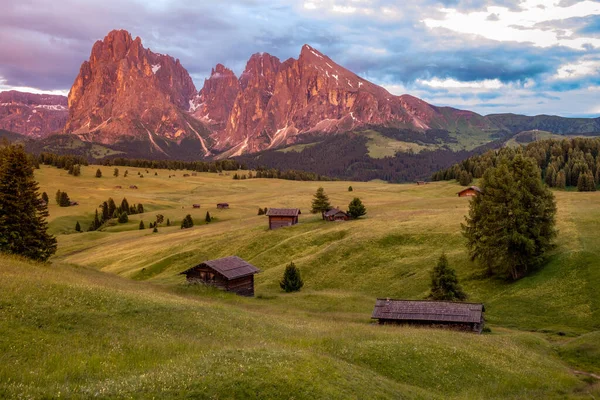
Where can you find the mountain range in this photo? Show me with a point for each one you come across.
(133, 100)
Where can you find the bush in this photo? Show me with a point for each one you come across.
(292, 281)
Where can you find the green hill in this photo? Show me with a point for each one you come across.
(112, 317)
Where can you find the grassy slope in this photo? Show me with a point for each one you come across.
(290, 343)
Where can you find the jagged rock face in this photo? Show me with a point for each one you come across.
(276, 102)
(215, 101)
(32, 115)
(127, 90)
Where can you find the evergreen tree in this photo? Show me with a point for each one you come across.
(140, 208)
(57, 197)
(261, 212)
(561, 180)
(168, 222)
(105, 213)
(160, 218)
(124, 205)
(187, 222)
(98, 173)
(586, 183)
(96, 223)
(132, 209)
(350, 188)
(123, 218)
(510, 226)
(265, 210)
(292, 281)
(155, 230)
(64, 200)
(111, 207)
(116, 172)
(125, 174)
(23, 226)
(320, 203)
(465, 178)
(444, 283)
(45, 198)
(142, 225)
(207, 218)
(77, 227)
(76, 170)
(356, 208)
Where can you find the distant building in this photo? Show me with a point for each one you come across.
(196, 205)
(73, 203)
(133, 187)
(222, 205)
(336, 214)
(469, 192)
(186, 175)
(422, 183)
(448, 314)
(280, 217)
(230, 273)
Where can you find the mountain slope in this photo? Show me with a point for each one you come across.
(32, 115)
(127, 92)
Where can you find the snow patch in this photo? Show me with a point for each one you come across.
(156, 146)
(329, 65)
(349, 83)
(335, 76)
(202, 142)
(316, 54)
(155, 68)
(56, 107)
(34, 111)
(360, 84)
(241, 149)
(194, 106)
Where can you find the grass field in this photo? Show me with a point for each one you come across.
(112, 317)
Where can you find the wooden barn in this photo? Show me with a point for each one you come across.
(422, 183)
(443, 314)
(196, 205)
(133, 187)
(280, 217)
(469, 192)
(335, 214)
(222, 206)
(230, 273)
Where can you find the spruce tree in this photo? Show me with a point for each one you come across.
(260, 211)
(123, 218)
(98, 173)
(356, 208)
(155, 230)
(76, 170)
(292, 281)
(187, 222)
(116, 172)
(125, 174)
(142, 225)
(105, 213)
(444, 283)
(168, 222)
(585, 182)
(561, 180)
(350, 188)
(111, 206)
(45, 197)
(207, 218)
(65, 201)
(23, 226)
(510, 226)
(77, 227)
(57, 197)
(124, 205)
(465, 178)
(96, 223)
(320, 203)
(140, 208)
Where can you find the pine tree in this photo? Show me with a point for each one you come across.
(510, 227)
(561, 180)
(265, 210)
(444, 283)
(465, 178)
(187, 222)
(261, 212)
(23, 226)
(320, 203)
(124, 205)
(123, 218)
(142, 225)
(125, 174)
(64, 200)
(57, 197)
(292, 281)
(350, 188)
(586, 183)
(155, 230)
(45, 198)
(76, 170)
(356, 208)
(77, 227)
(116, 172)
(140, 208)
(207, 218)
(168, 222)
(105, 213)
(96, 223)
(111, 206)
(98, 173)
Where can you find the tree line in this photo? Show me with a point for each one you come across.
(563, 163)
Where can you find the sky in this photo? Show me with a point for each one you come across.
(521, 56)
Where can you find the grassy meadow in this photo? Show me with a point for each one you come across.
(110, 316)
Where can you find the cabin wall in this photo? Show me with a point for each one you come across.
(243, 286)
(276, 222)
(457, 326)
(467, 193)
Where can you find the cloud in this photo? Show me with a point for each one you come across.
(479, 54)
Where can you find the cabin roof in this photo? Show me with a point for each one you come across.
(475, 188)
(231, 267)
(333, 212)
(283, 212)
(222, 204)
(427, 310)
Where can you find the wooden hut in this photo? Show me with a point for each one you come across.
(469, 192)
(186, 175)
(280, 217)
(222, 206)
(133, 187)
(196, 205)
(448, 314)
(422, 183)
(335, 214)
(230, 273)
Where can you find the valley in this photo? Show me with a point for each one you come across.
(116, 319)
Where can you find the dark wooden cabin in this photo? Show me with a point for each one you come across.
(335, 214)
(196, 205)
(280, 217)
(230, 273)
(445, 314)
(422, 183)
(133, 187)
(469, 192)
(222, 205)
